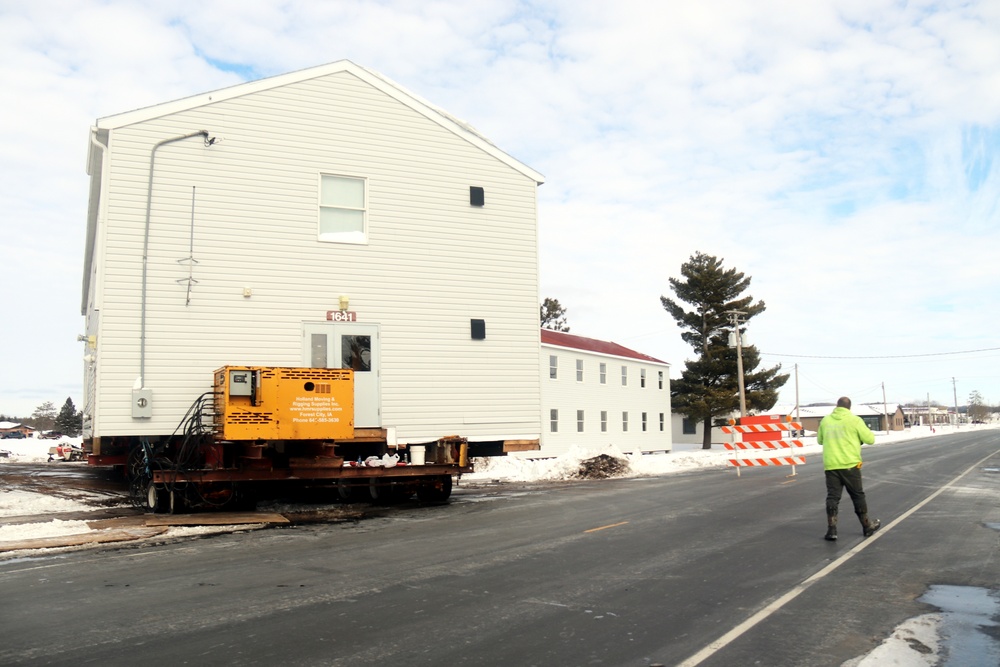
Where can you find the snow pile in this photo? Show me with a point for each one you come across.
(608, 461)
(54, 528)
(27, 503)
(522, 467)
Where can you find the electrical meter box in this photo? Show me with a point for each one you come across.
(267, 403)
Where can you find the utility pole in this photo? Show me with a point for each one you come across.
(797, 417)
(736, 314)
(954, 389)
(885, 409)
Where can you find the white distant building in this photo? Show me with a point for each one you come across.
(597, 393)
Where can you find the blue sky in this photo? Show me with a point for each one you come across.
(842, 154)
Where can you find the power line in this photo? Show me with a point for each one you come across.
(888, 356)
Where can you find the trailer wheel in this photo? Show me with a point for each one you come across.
(177, 505)
(385, 492)
(347, 490)
(435, 489)
(157, 498)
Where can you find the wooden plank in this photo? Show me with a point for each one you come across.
(521, 446)
(214, 519)
(98, 537)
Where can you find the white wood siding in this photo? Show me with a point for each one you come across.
(432, 262)
(568, 395)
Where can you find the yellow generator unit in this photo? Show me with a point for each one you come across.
(263, 403)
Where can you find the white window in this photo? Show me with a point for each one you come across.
(624, 376)
(604, 373)
(662, 419)
(579, 421)
(643, 422)
(579, 370)
(661, 379)
(642, 377)
(554, 420)
(342, 209)
(604, 421)
(624, 421)
(553, 367)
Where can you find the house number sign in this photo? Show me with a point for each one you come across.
(341, 316)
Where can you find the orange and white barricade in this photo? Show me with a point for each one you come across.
(755, 438)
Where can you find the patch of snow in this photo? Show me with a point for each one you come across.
(28, 503)
(33, 450)
(914, 643)
(54, 528)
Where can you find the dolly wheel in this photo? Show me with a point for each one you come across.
(435, 489)
(157, 498)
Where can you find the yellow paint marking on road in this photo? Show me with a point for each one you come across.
(613, 525)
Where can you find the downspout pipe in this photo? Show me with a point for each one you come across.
(145, 246)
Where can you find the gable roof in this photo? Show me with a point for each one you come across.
(563, 339)
(394, 90)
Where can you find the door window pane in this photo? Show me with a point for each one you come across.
(317, 354)
(356, 353)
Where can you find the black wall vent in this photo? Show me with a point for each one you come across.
(478, 329)
(477, 196)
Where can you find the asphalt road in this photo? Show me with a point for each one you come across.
(695, 568)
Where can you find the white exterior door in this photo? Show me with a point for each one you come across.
(349, 345)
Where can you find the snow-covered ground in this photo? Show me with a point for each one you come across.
(895, 650)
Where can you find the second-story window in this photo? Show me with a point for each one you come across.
(579, 370)
(342, 209)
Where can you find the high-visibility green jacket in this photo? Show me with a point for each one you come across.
(842, 433)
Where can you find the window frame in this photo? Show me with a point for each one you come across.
(348, 237)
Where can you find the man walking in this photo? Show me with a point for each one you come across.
(841, 434)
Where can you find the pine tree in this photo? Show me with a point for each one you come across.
(553, 315)
(709, 385)
(69, 422)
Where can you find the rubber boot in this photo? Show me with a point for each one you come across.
(831, 528)
(869, 526)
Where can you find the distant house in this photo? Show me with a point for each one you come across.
(922, 415)
(687, 431)
(15, 430)
(598, 393)
(873, 414)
